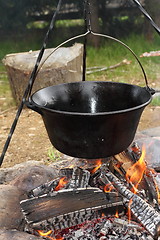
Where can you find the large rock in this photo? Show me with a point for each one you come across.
(64, 65)
(16, 235)
(33, 177)
(10, 212)
(28, 175)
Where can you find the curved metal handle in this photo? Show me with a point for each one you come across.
(127, 47)
(99, 35)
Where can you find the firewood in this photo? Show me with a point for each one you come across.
(145, 213)
(79, 178)
(62, 202)
(44, 188)
(76, 178)
(67, 208)
(125, 160)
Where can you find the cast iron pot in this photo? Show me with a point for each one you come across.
(91, 119)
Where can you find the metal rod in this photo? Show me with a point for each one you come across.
(88, 15)
(85, 42)
(147, 16)
(84, 58)
(30, 84)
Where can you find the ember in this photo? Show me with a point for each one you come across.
(108, 188)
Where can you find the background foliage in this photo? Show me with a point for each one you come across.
(20, 15)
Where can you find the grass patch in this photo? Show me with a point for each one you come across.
(156, 101)
(112, 53)
(53, 154)
(69, 23)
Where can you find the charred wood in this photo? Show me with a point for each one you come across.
(44, 188)
(79, 179)
(76, 177)
(145, 213)
(69, 208)
(135, 151)
(66, 172)
(62, 202)
(66, 220)
(151, 191)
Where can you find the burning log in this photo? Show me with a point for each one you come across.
(67, 208)
(79, 179)
(75, 178)
(144, 212)
(44, 188)
(61, 203)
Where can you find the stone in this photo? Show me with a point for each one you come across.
(9, 174)
(152, 132)
(10, 212)
(16, 235)
(151, 146)
(33, 177)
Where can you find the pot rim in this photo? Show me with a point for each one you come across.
(91, 114)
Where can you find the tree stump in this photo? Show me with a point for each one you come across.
(63, 66)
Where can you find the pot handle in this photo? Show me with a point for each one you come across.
(33, 107)
(105, 36)
(151, 90)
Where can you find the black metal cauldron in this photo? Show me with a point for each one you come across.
(91, 119)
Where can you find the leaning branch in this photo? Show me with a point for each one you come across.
(100, 69)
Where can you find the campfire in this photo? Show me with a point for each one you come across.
(112, 198)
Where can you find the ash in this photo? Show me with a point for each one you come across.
(108, 229)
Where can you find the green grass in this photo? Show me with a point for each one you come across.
(156, 101)
(70, 23)
(112, 53)
(53, 154)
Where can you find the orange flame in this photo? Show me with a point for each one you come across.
(98, 165)
(129, 210)
(62, 182)
(116, 214)
(135, 173)
(43, 234)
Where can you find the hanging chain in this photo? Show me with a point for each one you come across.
(30, 83)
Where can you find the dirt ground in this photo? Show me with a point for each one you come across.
(30, 140)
